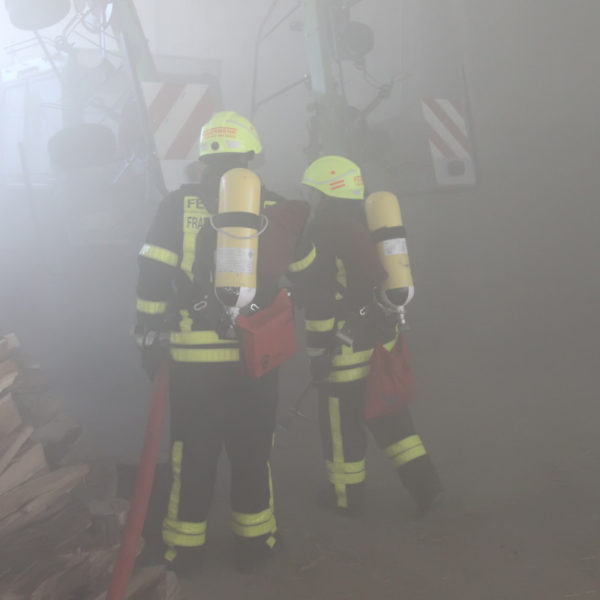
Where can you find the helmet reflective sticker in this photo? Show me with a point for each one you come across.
(228, 131)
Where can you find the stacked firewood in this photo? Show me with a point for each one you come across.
(60, 522)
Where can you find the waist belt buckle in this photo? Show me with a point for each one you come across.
(200, 306)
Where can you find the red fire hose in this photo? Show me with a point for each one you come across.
(143, 487)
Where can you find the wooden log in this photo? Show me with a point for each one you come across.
(7, 381)
(61, 583)
(56, 430)
(7, 440)
(65, 531)
(37, 409)
(78, 575)
(28, 579)
(101, 483)
(8, 366)
(17, 439)
(57, 436)
(4, 349)
(41, 490)
(169, 588)
(34, 382)
(34, 512)
(30, 462)
(31, 574)
(81, 574)
(13, 341)
(75, 534)
(9, 371)
(10, 418)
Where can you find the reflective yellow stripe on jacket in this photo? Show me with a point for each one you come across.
(304, 263)
(319, 325)
(151, 308)
(203, 346)
(205, 355)
(159, 254)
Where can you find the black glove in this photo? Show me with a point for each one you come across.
(152, 352)
(320, 367)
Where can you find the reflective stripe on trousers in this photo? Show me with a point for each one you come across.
(340, 472)
(405, 450)
(346, 473)
(174, 532)
(253, 525)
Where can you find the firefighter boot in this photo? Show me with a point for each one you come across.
(355, 508)
(250, 554)
(423, 483)
(186, 562)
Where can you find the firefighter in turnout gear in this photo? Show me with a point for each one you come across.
(336, 280)
(212, 404)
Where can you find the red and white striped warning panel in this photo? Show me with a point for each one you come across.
(176, 113)
(448, 142)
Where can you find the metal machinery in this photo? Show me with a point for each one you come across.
(99, 120)
(98, 112)
(425, 142)
(420, 138)
(118, 109)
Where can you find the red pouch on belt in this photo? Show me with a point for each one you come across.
(267, 338)
(390, 385)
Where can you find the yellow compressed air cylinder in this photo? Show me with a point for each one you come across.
(384, 219)
(238, 226)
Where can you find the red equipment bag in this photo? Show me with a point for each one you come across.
(390, 385)
(267, 338)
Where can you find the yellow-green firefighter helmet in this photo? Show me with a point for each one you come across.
(229, 132)
(335, 176)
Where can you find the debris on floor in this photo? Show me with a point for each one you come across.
(60, 522)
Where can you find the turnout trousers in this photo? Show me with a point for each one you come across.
(214, 407)
(343, 436)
